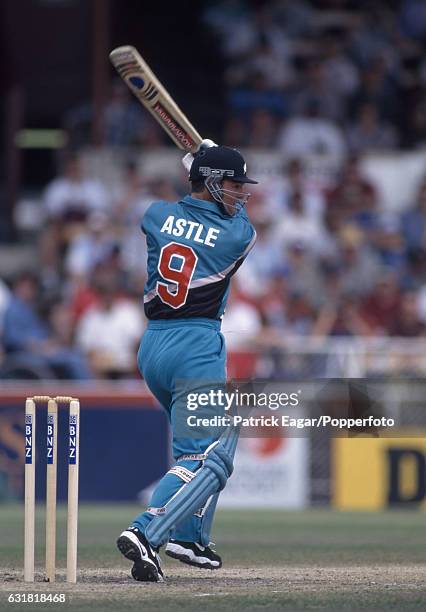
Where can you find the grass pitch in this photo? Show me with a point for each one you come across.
(273, 560)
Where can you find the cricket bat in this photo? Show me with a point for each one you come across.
(151, 93)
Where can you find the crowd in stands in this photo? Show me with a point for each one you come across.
(301, 76)
(328, 262)
(330, 78)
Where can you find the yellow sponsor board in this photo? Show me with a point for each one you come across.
(376, 473)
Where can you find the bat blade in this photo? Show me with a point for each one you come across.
(150, 92)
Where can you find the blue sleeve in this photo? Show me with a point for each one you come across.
(247, 234)
(21, 325)
(151, 212)
(145, 219)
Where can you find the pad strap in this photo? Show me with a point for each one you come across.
(206, 481)
(193, 457)
(182, 472)
(156, 511)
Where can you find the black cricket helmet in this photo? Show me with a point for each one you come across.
(220, 162)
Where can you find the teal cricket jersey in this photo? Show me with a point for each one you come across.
(193, 250)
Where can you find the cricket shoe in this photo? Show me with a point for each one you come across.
(194, 554)
(134, 546)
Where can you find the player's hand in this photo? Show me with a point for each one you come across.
(206, 144)
(189, 158)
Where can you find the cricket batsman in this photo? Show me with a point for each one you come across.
(194, 247)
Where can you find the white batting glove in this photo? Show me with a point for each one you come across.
(206, 144)
(189, 158)
(187, 161)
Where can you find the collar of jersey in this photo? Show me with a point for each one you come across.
(205, 204)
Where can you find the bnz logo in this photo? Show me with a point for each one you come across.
(72, 451)
(50, 438)
(28, 438)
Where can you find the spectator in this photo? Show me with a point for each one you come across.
(341, 74)
(413, 222)
(264, 260)
(354, 199)
(134, 195)
(78, 123)
(380, 308)
(409, 323)
(124, 124)
(93, 246)
(299, 315)
(279, 190)
(262, 132)
(241, 322)
(315, 92)
(370, 37)
(72, 196)
(258, 208)
(368, 133)
(242, 31)
(131, 203)
(61, 322)
(274, 68)
(303, 278)
(235, 132)
(231, 21)
(422, 297)
(389, 243)
(4, 301)
(28, 338)
(341, 318)
(248, 97)
(82, 296)
(121, 122)
(298, 226)
(376, 88)
(412, 18)
(360, 266)
(414, 276)
(272, 304)
(295, 17)
(296, 319)
(162, 189)
(311, 134)
(332, 281)
(69, 200)
(414, 135)
(110, 331)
